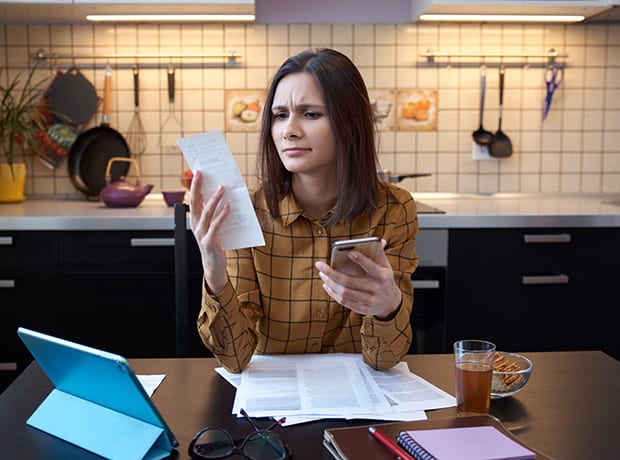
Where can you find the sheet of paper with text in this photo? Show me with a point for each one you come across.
(209, 153)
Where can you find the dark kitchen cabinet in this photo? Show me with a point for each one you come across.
(28, 284)
(534, 289)
(112, 290)
(118, 291)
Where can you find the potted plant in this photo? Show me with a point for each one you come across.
(22, 116)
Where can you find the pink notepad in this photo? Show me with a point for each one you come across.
(467, 443)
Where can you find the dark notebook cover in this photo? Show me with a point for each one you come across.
(355, 443)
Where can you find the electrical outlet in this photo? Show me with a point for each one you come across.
(481, 152)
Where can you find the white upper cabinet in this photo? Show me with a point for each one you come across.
(59, 11)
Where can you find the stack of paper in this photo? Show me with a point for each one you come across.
(314, 386)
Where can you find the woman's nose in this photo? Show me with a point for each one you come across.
(292, 129)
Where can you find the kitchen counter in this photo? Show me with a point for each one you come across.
(459, 211)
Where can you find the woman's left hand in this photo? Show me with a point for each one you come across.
(374, 293)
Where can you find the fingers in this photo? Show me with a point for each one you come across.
(206, 220)
(206, 217)
(353, 292)
(374, 293)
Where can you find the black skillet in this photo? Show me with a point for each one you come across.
(89, 154)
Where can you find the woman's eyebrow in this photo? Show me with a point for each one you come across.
(299, 106)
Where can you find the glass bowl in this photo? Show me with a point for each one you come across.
(510, 374)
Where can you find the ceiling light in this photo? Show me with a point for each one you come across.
(501, 18)
(171, 17)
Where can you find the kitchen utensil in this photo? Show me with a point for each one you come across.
(171, 129)
(136, 134)
(70, 102)
(501, 147)
(91, 151)
(553, 77)
(387, 176)
(72, 97)
(482, 136)
(123, 194)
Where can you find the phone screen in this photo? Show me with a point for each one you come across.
(340, 261)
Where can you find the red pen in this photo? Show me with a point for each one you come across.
(389, 444)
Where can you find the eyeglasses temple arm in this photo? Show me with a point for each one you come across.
(247, 417)
(276, 423)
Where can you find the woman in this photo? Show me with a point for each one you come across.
(318, 184)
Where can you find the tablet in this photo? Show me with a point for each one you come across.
(96, 376)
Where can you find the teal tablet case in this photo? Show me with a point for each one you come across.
(98, 403)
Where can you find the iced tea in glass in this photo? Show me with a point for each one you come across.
(473, 361)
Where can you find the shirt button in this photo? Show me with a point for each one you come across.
(321, 231)
(320, 314)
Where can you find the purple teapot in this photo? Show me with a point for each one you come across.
(122, 194)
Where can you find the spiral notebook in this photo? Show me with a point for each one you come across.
(466, 443)
(355, 443)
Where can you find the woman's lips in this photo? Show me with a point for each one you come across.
(295, 151)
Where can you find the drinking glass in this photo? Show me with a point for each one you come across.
(473, 367)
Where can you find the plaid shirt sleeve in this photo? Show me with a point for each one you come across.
(274, 302)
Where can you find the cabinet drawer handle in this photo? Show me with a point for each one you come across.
(555, 238)
(7, 284)
(8, 367)
(426, 284)
(153, 242)
(545, 279)
(6, 240)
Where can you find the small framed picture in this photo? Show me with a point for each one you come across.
(244, 109)
(416, 110)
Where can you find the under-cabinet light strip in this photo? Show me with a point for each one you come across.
(171, 17)
(500, 18)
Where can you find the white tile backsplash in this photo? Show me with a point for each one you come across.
(576, 149)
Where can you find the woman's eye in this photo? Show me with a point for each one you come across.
(312, 115)
(280, 115)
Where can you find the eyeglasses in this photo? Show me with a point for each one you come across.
(216, 443)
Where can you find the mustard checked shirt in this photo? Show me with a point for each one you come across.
(274, 302)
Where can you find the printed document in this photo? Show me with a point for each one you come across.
(334, 385)
(209, 153)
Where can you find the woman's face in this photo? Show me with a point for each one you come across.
(301, 128)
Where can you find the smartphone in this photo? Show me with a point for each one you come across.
(340, 261)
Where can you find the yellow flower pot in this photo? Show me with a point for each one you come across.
(12, 183)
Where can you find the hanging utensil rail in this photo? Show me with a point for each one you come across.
(550, 57)
(229, 58)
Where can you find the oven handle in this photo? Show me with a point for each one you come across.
(547, 238)
(545, 279)
(426, 284)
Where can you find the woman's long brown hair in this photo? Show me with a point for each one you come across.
(349, 110)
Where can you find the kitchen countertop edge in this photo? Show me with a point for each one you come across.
(461, 211)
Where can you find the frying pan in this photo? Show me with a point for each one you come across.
(72, 96)
(91, 151)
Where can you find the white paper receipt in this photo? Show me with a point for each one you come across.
(210, 154)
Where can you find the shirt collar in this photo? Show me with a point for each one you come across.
(290, 211)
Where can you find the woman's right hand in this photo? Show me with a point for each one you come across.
(206, 219)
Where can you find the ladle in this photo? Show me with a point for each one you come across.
(501, 147)
(482, 136)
